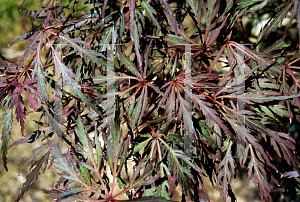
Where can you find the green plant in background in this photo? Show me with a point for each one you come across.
(12, 21)
(140, 84)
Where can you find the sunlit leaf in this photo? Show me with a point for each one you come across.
(259, 176)
(63, 164)
(224, 172)
(275, 22)
(6, 124)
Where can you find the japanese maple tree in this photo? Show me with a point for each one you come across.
(171, 86)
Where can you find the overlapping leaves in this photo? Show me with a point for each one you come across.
(159, 95)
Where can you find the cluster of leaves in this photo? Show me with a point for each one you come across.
(143, 106)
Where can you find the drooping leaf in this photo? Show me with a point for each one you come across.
(71, 192)
(275, 22)
(67, 79)
(170, 15)
(182, 171)
(91, 54)
(278, 45)
(41, 85)
(33, 175)
(150, 11)
(150, 199)
(210, 113)
(195, 5)
(245, 3)
(6, 124)
(128, 64)
(259, 176)
(224, 171)
(84, 139)
(63, 164)
(215, 33)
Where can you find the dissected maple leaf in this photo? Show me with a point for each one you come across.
(6, 87)
(18, 102)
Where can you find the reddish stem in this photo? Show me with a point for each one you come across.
(152, 130)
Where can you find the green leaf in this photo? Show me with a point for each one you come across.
(116, 147)
(63, 164)
(175, 40)
(162, 190)
(86, 174)
(205, 133)
(33, 174)
(84, 139)
(136, 112)
(38, 68)
(280, 110)
(275, 22)
(267, 83)
(246, 3)
(150, 11)
(141, 145)
(150, 199)
(278, 45)
(67, 79)
(98, 151)
(128, 64)
(106, 39)
(71, 192)
(182, 171)
(6, 124)
(267, 111)
(91, 54)
(175, 137)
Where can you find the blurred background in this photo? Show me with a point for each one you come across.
(13, 24)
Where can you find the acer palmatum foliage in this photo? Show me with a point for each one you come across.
(166, 89)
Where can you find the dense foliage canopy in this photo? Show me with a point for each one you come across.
(152, 95)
